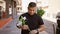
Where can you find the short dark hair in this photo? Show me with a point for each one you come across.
(32, 4)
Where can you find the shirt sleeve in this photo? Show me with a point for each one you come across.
(40, 21)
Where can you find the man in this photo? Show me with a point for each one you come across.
(34, 21)
(58, 22)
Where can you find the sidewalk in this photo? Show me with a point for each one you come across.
(4, 21)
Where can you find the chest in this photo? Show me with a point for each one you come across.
(33, 20)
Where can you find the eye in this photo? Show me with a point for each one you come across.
(33, 10)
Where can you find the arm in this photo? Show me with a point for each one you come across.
(41, 28)
(41, 24)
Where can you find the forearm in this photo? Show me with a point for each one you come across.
(41, 28)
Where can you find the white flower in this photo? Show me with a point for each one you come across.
(24, 18)
(19, 23)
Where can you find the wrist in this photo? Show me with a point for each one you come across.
(37, 30)
(34, 31)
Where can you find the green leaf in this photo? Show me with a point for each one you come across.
(40, 12)
(22, 20)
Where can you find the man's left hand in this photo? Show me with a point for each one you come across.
(33, 32)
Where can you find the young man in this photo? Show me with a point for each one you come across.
(34, 21)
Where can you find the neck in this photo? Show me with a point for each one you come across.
(31, 14)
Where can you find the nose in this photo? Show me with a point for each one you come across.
(32, 11)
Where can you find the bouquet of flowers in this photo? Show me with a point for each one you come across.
(21, 21)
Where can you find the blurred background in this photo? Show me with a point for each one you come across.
(10, 10)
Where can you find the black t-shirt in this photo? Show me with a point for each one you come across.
(33, 21)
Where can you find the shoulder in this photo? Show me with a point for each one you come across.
(38, 15)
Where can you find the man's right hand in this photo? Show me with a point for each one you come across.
(33, 32)
(24, 27)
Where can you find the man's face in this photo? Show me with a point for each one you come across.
(31, 10)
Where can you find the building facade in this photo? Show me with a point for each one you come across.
(7, 8)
